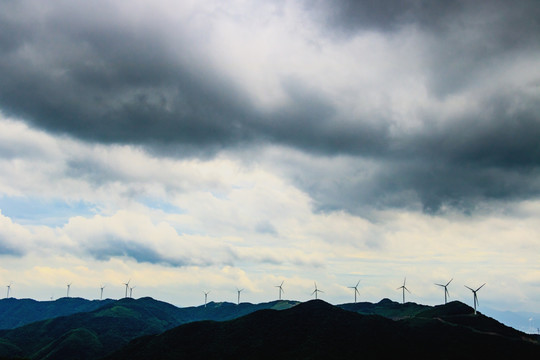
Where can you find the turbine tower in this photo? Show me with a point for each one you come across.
(101, 295)
(475, 298)
(403, 287)
(68, 286)
(316, 291)
(131, 291)
(127, 285)
(355, 290)
(446, 293)
(205, 297)
(239, 291)
(280, 289)
(8, 289)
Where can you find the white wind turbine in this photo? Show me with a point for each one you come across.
(127, 285)
(239, 291)
(475, 298)
(355, 290)
(446, 293)
(101, 295)
(280, 289)
(68, 287)
(205, 297)
(316, 290)
(403, 287)
(131, 291)
(8, 289)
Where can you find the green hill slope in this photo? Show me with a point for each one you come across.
(93, 334)
(19, 312)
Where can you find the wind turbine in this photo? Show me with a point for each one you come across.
(403, 287)
(475, 298)
(280, 289)
(239, 291)
(68, 286)
(131, 291)
(101, 288)
(127, 285)
(205, 297)
(446, 293)
(8, 289)
(355, 290)
(316, 290)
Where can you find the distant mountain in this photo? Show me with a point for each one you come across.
(19, 312)
(317, 330)
(524, 321)
(93, 334)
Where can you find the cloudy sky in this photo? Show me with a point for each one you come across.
(210, 145)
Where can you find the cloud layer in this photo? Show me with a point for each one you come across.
(250, 139)
(443, 97)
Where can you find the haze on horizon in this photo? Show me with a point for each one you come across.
(200, 146)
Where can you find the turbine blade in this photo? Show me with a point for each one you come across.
(449, 281)
(468, 288)
(481, 286)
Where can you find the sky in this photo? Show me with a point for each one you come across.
(213, 146)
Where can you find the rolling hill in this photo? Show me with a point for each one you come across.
(317, 330)
(129, 328)
(93, 334)
(19, 312)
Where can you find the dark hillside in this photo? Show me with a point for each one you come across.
(93, 334)
(317, 330)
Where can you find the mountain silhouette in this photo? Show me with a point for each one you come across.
(317, 330)
(19, 312)
(93, 334)
(147, 328)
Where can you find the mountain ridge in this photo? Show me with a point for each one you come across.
(94, 334)
(318, 330)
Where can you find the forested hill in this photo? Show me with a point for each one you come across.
(317, 330)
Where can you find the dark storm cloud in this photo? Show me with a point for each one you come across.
(350, 16)
(79, 72)
(83, 72)
(94, 72)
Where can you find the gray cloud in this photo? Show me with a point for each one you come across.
(9, 249)
(116, 247)
(92, 71)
